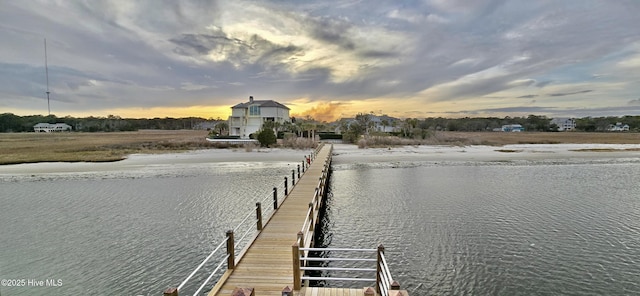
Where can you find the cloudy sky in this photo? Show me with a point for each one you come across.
(328, 59)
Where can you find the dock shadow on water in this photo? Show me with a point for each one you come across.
(322, 237)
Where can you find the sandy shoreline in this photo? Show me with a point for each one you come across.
(478, 153)
(350, 154)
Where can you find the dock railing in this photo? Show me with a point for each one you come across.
(246, 225)
(378, 274)
(377, 271)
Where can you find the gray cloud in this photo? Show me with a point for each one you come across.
(542, 84)
(570, 93)
(142, 56)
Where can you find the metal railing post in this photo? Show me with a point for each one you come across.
(379, 267)
(275, 198)
(259, 216)
(231, 261)
(297, 281)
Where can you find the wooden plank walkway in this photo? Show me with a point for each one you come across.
(267, 265)
(321, 291)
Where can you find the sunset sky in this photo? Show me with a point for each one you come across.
(327, 59)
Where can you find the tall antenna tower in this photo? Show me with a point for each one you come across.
(46, 70)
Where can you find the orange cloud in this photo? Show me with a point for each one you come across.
(323, 111)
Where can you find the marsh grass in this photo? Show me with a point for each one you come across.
(101, 147)
(298, 143)
(94, 147)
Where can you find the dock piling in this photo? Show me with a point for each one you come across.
(311, 224)
(231, 260)
(275, 198)
(170, 292)
(379, 267)
(297, 281)
(259, 216)
(286, 186)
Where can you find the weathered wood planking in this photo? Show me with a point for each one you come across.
(321, 291)
(267, 265)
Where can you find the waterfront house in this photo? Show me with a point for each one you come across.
(247, 118)
(512, 128)
(384, 123)
(564, 124)
(50, 128)
(618, 127)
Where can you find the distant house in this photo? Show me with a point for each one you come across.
(247, 118)
(384, 123)
(618, 127)
(50, 128)
(512, 128)
(564, 124)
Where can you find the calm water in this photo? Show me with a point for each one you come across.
(465, 229)
(124, 232)
(571, 229)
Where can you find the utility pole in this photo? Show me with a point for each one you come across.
(46, 69)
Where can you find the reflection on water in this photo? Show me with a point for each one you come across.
(131, 232)
(494, 229)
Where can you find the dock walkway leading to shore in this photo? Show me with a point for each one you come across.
(266, 266)
(275, 260)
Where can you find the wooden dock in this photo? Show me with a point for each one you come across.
(267, 265)
(274, 261)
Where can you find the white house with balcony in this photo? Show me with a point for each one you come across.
(564, 124)
(50, 128)
(247, 118)
(618, 127)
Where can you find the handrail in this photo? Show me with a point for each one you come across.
(268, 214)
(380, 275)
(211, 275)
(202, 264)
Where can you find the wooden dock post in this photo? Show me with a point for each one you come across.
(286, 187)
(293, 178)
(301, 238)
(170, 292)
(368, 291)
(297, 281)
(243, 292)
(311, 221)
(259, 216)
(275, 198)
(395, 286)
(298, 171)
(379, 267)
(231, 261)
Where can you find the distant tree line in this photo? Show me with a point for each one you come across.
(112, 123)
(421, 128)
(307, 127)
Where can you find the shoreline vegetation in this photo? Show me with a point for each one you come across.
(17, 148)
